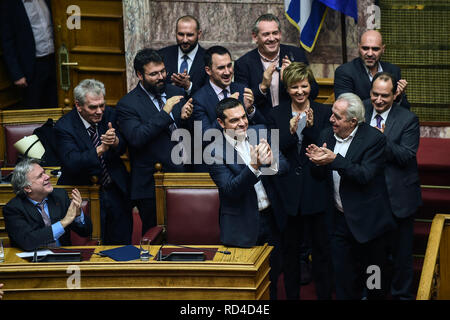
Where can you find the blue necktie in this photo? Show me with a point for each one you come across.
(379, 119)
(184, 64)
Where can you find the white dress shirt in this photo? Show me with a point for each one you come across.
(341, 148)
(219, 91)
(275, 83)
(41, 25)
(243, 149)
(189, 60)
(384, 115)
(155, 101)
(380, 69)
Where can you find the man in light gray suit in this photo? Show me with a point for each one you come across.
(401, 128)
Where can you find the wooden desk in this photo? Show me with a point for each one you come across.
(244, 274)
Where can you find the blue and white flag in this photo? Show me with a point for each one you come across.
(347, 7)
(307, 16)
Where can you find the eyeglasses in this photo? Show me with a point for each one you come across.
(156, 73)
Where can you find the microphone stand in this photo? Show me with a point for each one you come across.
(199, 249)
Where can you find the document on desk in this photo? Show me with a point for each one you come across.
(40, 253)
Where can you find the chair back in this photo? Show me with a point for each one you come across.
(187, 205)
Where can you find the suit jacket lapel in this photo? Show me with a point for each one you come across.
(172, 59)
(363, 76)
(258, 65)
(354, 145)
(212, 100)
(53, 208)
(32, 211)
(147, 104)
(196, 64)
(80, 130)
(237, 163)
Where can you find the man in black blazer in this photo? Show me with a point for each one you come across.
(40, 215)
(147, 116)
(83, 156)
(352, 158)
(243, 169)
(28, 50)
(219, 67)
(184, 61)
(356, 76)
(261, 69)
(402, 131)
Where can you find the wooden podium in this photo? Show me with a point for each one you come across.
(243, 274)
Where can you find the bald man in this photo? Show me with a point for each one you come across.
(356, 76)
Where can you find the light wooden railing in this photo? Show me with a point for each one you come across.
(435, 278)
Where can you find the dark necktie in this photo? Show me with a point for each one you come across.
(379, 119)
(105, 179)
(225, 93)
(172, 126)
(184, 64)
(46, 218)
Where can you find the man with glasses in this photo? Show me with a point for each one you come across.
(147, 116)
(89, 145)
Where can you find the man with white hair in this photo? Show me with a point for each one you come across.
(90, 146)
(39, 215)
(352, 157)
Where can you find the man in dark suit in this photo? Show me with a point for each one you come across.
(243, 169)
(352, 158)
(28, 50)
(184, 61)
(402, 131)
(40, 215)
(89, 145)
(219, 67)
(147, 117)
(261, 69)
(356, 76)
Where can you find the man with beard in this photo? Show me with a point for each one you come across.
(184, 61)
(261, 69)
(356, 76)
(147, 116)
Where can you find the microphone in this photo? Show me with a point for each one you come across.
(159, 256)
(200, 249)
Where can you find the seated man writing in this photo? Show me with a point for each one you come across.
(39, 215)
